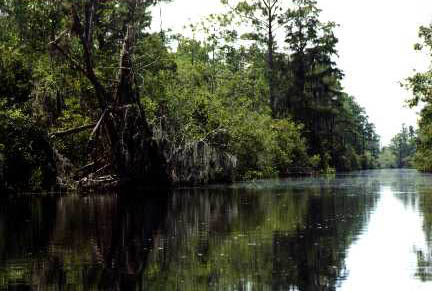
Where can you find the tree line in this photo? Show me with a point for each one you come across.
(91, 97)
(401, 151)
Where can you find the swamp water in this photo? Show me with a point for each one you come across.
(369, 230)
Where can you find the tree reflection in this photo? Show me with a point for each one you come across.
(279, 236)
(424, 257)
(90, 243)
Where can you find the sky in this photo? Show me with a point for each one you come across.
(376, 40)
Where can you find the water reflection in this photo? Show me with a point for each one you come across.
(384, 256)
(424, 255)
(294, 234)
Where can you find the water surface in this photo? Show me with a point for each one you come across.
(369, 230)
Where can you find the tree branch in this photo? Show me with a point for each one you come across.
(101, 93)
(71, 131)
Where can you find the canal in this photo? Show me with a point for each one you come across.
(369, 230)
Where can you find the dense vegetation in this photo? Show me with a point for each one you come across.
(401, 151)
(88, 93)
(420, 86)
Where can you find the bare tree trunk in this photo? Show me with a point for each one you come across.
(271, 63)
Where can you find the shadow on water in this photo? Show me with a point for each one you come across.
(271, 235)
(90, 243)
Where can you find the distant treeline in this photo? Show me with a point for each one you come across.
(402, 150)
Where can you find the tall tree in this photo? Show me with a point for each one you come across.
(403, 146)
(312, 93)
(265, 16)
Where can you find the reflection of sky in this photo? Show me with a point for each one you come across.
(384, 257)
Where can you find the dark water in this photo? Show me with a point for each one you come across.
(364, 231)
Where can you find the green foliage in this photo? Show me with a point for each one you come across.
(308, 88)
(401, 153)
(403, 147)
(291, 152)
(267, 147)
(387, 159)
(222, 104)
(420, 85)
(15, 77)
(423, 155)
(74, 147)
(423, 160)
(27, 158)
(278, 111)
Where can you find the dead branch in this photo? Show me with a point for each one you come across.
(102, 168)
(96, 127)
(71, 131)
